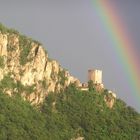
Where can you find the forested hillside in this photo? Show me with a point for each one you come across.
(68, 115)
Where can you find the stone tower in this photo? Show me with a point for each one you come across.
(95, 76)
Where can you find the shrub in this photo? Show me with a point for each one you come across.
(7, 82)
(4, 29)
(25, 46)
(62, 77)
(1, 62)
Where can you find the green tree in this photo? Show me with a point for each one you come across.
(91, 86)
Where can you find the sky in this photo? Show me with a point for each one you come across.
(72, 34)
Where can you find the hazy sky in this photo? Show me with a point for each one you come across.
(71, 32)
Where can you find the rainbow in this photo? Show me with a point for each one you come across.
(122, 42)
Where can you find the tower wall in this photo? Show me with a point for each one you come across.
(95, 76)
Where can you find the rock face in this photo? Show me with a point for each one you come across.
(26, 69)
(3, 44)
(32, 73)
(110, 99)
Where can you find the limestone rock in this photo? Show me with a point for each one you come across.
(79, 138)
(110, 99)
(3, 44)
(28, 64)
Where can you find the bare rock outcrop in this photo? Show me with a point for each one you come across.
(27, 64)
(3, 44)
(110, 99)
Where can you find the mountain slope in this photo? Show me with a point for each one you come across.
(26, 63)
(70, 115)
(39, 100)
(19, 120)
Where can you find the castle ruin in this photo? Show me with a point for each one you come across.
(95, 76)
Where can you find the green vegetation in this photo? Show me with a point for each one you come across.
(85, 114)
(25, 45)
(44, 84)
(4, 29)
(1, 62)
(91, 85)
(19, 120)
(27, 89)
(67, 115)
(10, 48)
(8, 83)
(62, 77)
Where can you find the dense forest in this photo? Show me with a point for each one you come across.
(66, 116)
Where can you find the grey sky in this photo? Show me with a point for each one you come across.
(71, 32)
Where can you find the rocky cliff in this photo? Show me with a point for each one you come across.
(26, 69)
